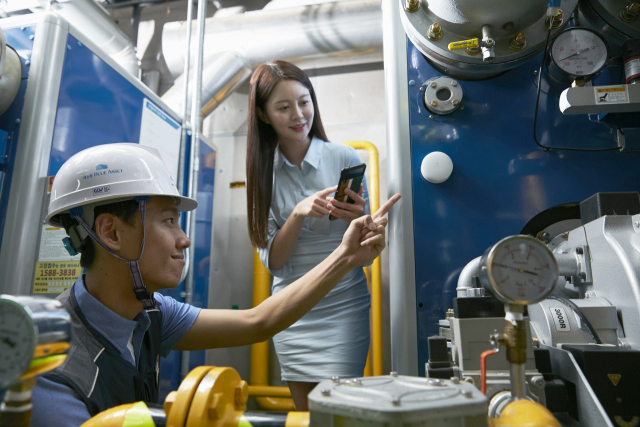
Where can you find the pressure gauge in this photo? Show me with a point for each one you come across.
(519, 270)
(29, 327)
(577, 53)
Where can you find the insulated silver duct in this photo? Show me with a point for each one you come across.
(222, 73)
(93, 22)
(320, 33)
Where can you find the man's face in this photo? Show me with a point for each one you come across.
(163, 257)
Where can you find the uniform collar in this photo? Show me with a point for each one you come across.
(113, 327)
(312, 158)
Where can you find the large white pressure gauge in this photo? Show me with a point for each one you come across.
(30, 327)
(519, 270)
(577, 53)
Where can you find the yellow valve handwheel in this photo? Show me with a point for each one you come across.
(463, 44)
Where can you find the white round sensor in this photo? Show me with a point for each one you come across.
(436, 167)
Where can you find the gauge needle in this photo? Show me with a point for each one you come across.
(577, 53)
(520, 270)
(8, 342)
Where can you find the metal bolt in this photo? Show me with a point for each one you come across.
(325, 392)
(17, 121)
(630, 13)
(555, 21)
(462, 107)
(435, 32)
(455, 380)
(565, 235)
(79, 44)
(412, 82)
(31, 37)
(393, 374)
(434, 85)
(434, 103)
(508, 26)
(579, 251)
(538, 381)
(27, 62)
(518, 42)
(536, 342)
(431, 117)
(435, 382)
(583, 276)
(335, 379)
(395, 401)
(421, 88)
(454, 83)
(412, 5)
(466, 393)
(456, 102)
(535, 71)
(472, 50)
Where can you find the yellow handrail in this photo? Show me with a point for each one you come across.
(266, 396)
(269, 397)
(376, 288)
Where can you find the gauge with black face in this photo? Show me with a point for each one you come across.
(577, 53)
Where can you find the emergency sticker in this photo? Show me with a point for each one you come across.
(560, 319)
(55, 277)
(611, 95)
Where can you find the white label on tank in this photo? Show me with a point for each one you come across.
(611, 94)
(560, 319)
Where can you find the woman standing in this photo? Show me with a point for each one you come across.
(292, 172)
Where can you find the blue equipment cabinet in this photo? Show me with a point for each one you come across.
(501, 178)
(74, 97)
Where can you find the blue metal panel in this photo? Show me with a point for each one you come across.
(170, 367)
(20, 39)
(501, 178)
(96, 105)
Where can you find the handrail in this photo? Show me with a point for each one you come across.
(266, 396)
(376, 274)
(273, 398)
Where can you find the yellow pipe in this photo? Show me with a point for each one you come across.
(259, 376)
(376, 288)
(524, 413)
(261, 390)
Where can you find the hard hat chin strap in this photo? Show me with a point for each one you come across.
(139, 289)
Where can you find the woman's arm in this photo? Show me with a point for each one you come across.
(285, 240)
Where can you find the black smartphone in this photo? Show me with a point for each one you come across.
(351, 178)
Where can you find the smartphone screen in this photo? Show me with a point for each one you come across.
(351, 178)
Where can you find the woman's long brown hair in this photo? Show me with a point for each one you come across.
(262, 141)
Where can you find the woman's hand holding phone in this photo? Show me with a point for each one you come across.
(315, 205)
(348, 211)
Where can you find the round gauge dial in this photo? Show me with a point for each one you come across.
(519, 270)
(579, 52)
(17, 341)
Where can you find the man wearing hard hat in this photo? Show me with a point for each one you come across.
(120, 209)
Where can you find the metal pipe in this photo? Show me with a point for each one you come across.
(185, 88)
(376, 282)
(317, 33)
(221, 76)
(465, 281)
(400, 235)
(568, 264)
(194, 168)
(518, 383)
(96, 24)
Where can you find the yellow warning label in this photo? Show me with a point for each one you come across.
(615, 378)
(611, 89)
(463, 44)
(53, 277)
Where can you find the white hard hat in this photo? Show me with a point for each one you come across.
(111, 173)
